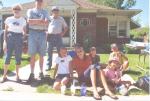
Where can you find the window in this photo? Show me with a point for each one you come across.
(122, 28)
(113, 29)
(85, 21)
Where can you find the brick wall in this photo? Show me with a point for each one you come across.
(83, 28)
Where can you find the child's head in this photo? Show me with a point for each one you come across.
(114, 64)
(93, 51)
(114, 47)
(76, 46)
(63, 51)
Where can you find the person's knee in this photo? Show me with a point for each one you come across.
(56, 86)
(64, 81)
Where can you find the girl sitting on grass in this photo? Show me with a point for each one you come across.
(62, 70)
(113, 74)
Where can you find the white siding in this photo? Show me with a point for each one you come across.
(117, 21)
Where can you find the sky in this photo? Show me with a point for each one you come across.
(143, 17)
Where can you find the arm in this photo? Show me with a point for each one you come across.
(5, 37)
(38, 22)
(70, 69)
(55, 71)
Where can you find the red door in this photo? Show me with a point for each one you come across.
(101, 30)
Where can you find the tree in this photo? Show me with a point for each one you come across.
(119, 4)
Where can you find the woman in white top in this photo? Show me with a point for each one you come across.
(15, 27)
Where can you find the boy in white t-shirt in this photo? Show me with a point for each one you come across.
(63, 68)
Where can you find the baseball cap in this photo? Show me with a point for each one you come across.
(55, 8)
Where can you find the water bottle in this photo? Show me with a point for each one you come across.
(83, 89)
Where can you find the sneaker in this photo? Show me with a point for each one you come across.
(41, 76)
(63, 90)
(4, 80)
(31, 78)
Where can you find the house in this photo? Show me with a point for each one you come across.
(87, 21)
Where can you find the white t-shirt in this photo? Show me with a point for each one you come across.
(15, 24)
(63, 64)
(56, 25)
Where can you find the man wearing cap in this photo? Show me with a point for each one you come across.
(37, 19)
(56, 30)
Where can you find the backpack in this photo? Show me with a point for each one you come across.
(143, 83)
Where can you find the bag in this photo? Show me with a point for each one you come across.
(143, 83)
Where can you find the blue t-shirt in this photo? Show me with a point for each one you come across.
(37, 14)
(72, 53)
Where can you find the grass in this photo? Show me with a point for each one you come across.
(25, 61)
(134, 73)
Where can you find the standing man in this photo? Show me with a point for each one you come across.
(38, 23)
(56, 30)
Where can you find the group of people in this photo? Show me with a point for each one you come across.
(90, 71)
(88, 67)
(41, 27)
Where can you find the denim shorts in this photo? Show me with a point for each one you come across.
(14, 44)
(37, 43)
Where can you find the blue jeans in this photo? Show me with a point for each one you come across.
(86, 76)
(37, 43)
(54, 40)
(14, 43)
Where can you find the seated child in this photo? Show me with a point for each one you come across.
(73, 53)
(63, 70)
(113, 74)
(120, 57)
(95, 58)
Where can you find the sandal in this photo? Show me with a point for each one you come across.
(111, 95)
(4, 80)
(96, 96)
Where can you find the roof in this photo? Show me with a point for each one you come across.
(89, 5)
(85, 4)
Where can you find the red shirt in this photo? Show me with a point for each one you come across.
(81, 65)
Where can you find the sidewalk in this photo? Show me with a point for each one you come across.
(15, 96)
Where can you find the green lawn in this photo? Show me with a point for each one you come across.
(25, 61)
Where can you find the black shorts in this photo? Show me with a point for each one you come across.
(61, 76)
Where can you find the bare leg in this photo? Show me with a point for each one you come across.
(56, 85)
(32, 63)
(5, 71)
(41, 63)
(93, 80)
(107, 90)
(17, 71)
(64, 81)
(125, 65)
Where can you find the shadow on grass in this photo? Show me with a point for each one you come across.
(9, 73)
(133, 72)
